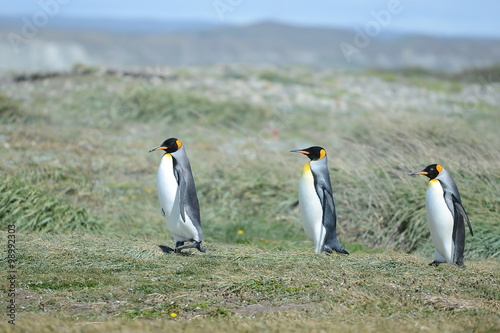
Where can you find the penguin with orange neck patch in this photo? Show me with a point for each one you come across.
(316, 202)
(178, 198)
(446, 216)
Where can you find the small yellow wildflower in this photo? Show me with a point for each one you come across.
(148, 190)
(240, 232)
(173, 315)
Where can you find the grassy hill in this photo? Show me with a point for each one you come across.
(80, 187)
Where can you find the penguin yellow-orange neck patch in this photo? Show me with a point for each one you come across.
(307, 167)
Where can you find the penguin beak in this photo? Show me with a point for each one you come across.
(418, 173)
(299, 151)
(157, 148)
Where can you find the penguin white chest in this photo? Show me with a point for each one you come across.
(168, 190)
(168, 193)
(311, 209)
(440, 220)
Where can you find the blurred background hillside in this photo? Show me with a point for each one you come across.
(54, 35)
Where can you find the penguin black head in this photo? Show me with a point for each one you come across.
(431, 171)
(169, 146)
(314, 153)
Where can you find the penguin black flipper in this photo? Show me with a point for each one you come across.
(177, 175)
(330, 223)
(457, 204)
(188, 200)
(458, 236)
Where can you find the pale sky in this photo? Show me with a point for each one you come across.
(441, 17)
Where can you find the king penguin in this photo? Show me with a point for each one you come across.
(316, 202)
(178, 198)
(445, 216)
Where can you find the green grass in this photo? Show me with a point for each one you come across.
(10, 110)
(480, 75)
(31, 209)
(83, 282)
(81, 188)
(154, 104)
(284, 77)
(440, 81)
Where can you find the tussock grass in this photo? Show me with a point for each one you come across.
(31, 209)
(152, 104)
(92, 155)
(389, 206)
(10, 110)
(253, 200)
(283, 77)
(488, 74)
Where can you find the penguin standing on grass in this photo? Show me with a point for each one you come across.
(316, 202)
(178, 199)
(446, 216)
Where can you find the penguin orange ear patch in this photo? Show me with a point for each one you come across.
(322, 153)
(439, 168)
(179, 143)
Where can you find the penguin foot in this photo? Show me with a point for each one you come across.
(166, 249)
(436, 263)
(194, 245)
(200, 247)
(340, 250)
(178, 247)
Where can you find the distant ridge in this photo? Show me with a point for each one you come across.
(123, 43)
